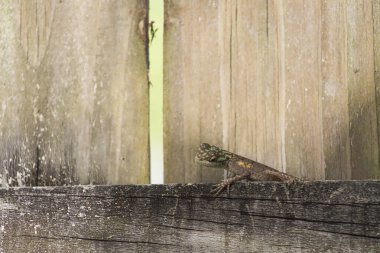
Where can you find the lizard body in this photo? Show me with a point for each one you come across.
(241, 167)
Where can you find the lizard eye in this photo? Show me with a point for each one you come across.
(204, 146)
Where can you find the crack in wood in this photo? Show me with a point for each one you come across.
(299, 201)
(202, 220)
(287, 246)
(62, 237)
(295, 218)
(343, 233)
(182, 228)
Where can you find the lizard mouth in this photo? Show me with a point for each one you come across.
(209, 161)
(209, 164)
(203, 159)
(202, 156)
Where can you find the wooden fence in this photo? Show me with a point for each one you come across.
(292, 84)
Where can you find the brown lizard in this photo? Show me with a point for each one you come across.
(241, 167)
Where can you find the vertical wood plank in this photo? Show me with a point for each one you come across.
(85, 63)
(279, 49)
(376, 49)
(254, 94)
(174, 155)
(273, 134)
(17, 96)
(195, 76)
(336, 141)
(362, 97)
(94, 77)
(303, 108)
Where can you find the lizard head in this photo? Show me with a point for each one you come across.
(213, 156)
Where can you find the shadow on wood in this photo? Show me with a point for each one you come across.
(334, 216)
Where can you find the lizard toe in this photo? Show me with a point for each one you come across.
(219, 188)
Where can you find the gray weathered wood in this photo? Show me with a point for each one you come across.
(336, 141)
(74, 92)
(188, 118)
(291, 84)
(376, 48)
(362, 95)
(330, 216)
(302, 88)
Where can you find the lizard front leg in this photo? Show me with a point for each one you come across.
(218, 188)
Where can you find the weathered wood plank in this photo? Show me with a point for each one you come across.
(362, 96)
(336, 141)
(75, 100)
(196, 76)
(332, 216)
(254, 91)
(303, 105)
(376, 48)
(18, 149)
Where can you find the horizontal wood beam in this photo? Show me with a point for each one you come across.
(336, 216)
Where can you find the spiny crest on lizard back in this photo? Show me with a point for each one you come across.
(212, 155)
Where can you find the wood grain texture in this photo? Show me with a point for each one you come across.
(296, 90)
(77, 92)
(302, 91)
(335, 216)
(362, 96)
(254, 99)
(335, 115)
(196, 74)
(376, 48)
